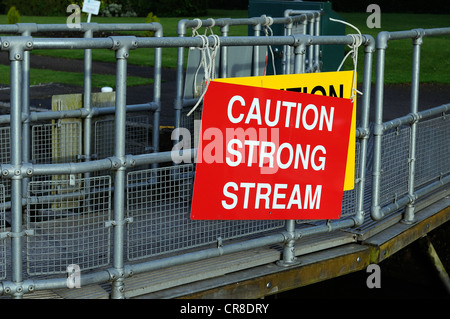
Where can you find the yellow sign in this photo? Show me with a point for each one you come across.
(337, 84)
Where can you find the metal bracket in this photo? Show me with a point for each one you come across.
(122, 45)
(72, 180)
(28, 232)
(111, 223)
(220, 245)
(16, 45)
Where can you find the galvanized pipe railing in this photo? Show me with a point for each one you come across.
(313, 18)
(120, 162)
(88, 29)
(416, 36)
(17, 170)
(225, 24)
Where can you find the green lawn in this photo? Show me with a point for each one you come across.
(435, 51)
(75, 78)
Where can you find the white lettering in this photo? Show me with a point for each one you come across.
(291, 155)
(254, 116)
(197, 309)
(321, 159)
(289, 105)
(295, 198)
(230, 105)
(309, 200)
(232, 151)
(248, 195)
(307, 126)
(263, 196)
(272, 156)
(328, 120)
(277, 196)
(230, 195)
(247, 187)
(277, 114)
(305, 157)
(310, 118)
(253, 145)
(264, 154)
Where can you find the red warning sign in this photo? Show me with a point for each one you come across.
(270, 154)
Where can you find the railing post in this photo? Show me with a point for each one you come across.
(224, 52)
(299, 62)
(365, 110)
(288, 256)
(16, 47)
(157, 93)
(87, 122)
(121, 45)
(286, 60)
(381, 44)
(26, 29)
(317, 66)
(256, 48)
(178, 103)
(417, 42)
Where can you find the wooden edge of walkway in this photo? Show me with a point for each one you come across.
(255, 274)
(315, 267)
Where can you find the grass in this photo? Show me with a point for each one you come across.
(435, 52)
(42, 76)
(143, 57)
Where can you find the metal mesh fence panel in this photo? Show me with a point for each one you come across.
(68, 227)
(394, 164)
(137, 136)
(159, 202)
(5, 156)
(56, 143)
(5, 150)
(53, 143)
(104, 138)
(192, 124)
(349, 197)
(433, 149)
(2, 230)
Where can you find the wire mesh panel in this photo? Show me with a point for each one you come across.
(394, 164)
(5, 150)
(56, 142)
(68, 227)
(104, 138)
(349, 196)
(433, 149)
(159, 202)
(2, 230)
(137, 136)
(5, 156)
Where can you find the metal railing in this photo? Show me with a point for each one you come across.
(115, 226)
(414, 153)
